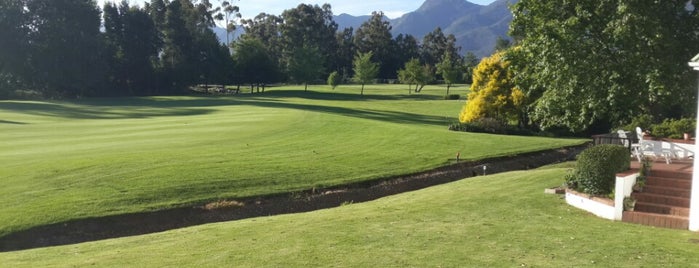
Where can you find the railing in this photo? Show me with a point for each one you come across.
(613, 138)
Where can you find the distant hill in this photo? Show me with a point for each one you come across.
(476, 27)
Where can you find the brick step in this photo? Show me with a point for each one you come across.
(671, 174)
(677, 192)
(669, 182)
(661, 199)
(657, 220)
(661, 209)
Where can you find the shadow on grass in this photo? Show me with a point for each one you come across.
(11, 122)
(128, 108)
(91, 111)
(343, 96)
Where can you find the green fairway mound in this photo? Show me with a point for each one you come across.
(313, 199)
(501, 220)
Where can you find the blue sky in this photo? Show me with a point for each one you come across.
(392, 8)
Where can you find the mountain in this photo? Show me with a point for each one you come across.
(345, 20)
(476, 27)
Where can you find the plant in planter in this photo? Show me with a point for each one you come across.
(685, 126)
(629, 203)
(646, 164)
(638, 186)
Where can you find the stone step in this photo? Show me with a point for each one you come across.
(661, 209)
(661, 199)
(670, 191)
(657, 220)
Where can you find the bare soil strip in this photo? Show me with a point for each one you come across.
(92, 229)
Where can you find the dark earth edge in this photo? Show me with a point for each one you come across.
(92, 229)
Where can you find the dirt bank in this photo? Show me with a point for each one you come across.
(92, 229)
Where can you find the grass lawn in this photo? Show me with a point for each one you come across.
(64, 160)
(502, 220)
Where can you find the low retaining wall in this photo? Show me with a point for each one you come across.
(603, 207)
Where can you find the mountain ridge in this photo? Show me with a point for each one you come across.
(476, 27)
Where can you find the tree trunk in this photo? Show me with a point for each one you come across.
(448, 86)
(362, 89)
(305, 86)
(252, 88)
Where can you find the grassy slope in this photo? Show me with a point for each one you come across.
(67, 160)
(501, 220)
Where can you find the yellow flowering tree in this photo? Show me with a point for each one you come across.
(493, 92)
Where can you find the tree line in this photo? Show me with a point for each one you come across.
(71, 48)
(590, 66)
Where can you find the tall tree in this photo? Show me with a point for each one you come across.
(231, 13)
(375, 36)
(435, 44)
(406, 48)
(65, 47)
(345, 52)
(14, 41)
(178, 57)
(470, 63)
(131, 39)
(365, 70)
(305, 65)
(616, 58)
(308, 26)
(265, 27)
(254, 63)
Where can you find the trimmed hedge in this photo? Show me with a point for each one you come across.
(490, 125)
(452, 97)
(596, 169)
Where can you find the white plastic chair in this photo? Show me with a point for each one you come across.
(649, 148)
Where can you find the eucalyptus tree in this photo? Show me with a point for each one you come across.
(265, 28)
(230, 14)
(616, 58)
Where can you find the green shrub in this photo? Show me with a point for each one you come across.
(673, 128)
(597, 167)
(643, 121)
(334, 79)
(681, 126)
(493, 126)
(452, 97)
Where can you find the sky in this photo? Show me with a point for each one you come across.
(391, 8)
